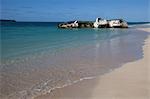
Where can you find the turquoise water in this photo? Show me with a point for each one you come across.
(23, 39)
(38, 57)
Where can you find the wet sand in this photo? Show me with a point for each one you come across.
(131, 81)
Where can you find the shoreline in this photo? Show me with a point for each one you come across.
(131, 81)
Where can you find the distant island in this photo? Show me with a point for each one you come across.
(4, 20)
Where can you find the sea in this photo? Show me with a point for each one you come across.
(38, 57)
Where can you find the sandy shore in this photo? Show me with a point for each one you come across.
(131, 81)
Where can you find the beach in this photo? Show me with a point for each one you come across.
(43, 61)
(75, 49)
(131, 81)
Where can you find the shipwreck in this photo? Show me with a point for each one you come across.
(99, 23)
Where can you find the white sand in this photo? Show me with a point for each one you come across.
(131, 81)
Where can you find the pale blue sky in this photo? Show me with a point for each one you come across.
(66, 10)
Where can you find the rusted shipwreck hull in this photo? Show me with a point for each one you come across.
(115, 23)
(80, 24)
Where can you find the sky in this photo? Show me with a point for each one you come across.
(66, 10)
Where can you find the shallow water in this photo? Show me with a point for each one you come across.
(38, 57)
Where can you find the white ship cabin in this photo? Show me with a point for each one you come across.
(117, 23)
(100, 23)
(75, 24)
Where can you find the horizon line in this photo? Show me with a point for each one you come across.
(69, 20)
